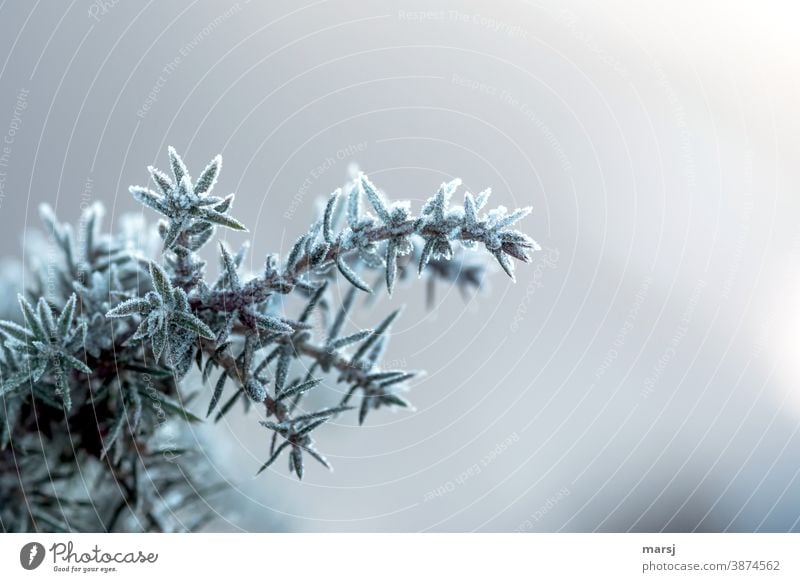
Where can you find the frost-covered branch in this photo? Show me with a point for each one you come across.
(120, 321)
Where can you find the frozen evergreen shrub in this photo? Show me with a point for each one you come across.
(91, 398)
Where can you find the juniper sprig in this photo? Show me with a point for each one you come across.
(114, 329)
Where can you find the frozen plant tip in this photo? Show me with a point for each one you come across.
(110, 330)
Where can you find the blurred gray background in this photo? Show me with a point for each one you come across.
(642, 374)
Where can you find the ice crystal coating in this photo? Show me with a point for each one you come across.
(105, 336)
